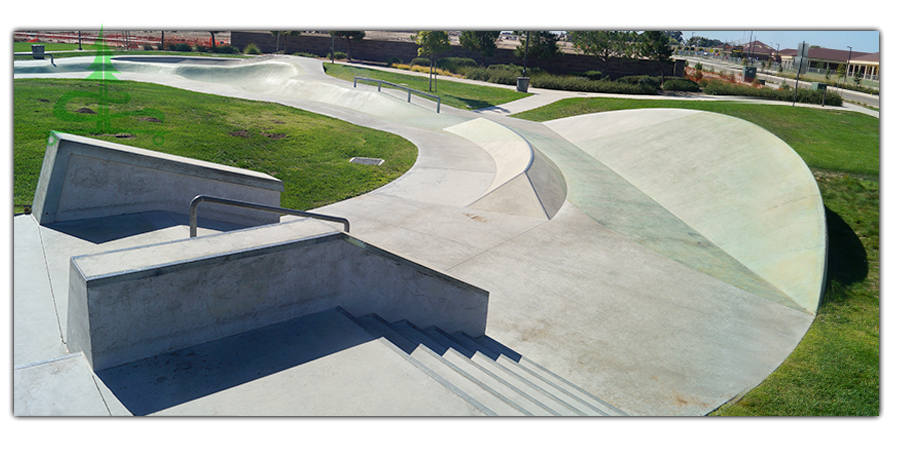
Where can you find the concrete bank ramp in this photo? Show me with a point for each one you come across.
(526, 182)
(745, 191)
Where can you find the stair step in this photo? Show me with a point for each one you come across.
(478, 394)
(559, 403)
(509, 392)
(510, 358)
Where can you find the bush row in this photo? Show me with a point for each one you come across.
(716, 87)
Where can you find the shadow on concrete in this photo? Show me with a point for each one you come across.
(163, 381)
(105, 229)
(847, 262)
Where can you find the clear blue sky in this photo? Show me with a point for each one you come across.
(863, 41)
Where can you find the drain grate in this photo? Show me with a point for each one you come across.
(367, 161)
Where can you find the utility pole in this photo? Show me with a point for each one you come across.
(525, 62)
(797, 84)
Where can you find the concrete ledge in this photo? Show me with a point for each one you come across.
(87, 178)
(130, 304)
(526, 181)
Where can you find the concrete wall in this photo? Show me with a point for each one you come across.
(86, 178)
(131, 304)
(382, 51)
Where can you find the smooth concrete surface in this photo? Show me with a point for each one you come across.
(747, 192)
(593, 293)
(134, 180)
(319, 365)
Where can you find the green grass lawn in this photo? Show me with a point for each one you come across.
(309, 152)
(22, 46)
(835, 368)
(459, 95)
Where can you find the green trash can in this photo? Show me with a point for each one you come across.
(522, 84)
(37, 51)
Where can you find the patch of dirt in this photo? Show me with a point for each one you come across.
(278, 122)
(241, 133)
(86, 111)
(148, 119)
(275, 135)
(43, 100)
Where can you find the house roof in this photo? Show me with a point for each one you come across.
(838, 55)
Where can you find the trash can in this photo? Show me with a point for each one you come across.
(522, 84)
(37, 51)
(818, 86)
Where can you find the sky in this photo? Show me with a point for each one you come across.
(860, 40)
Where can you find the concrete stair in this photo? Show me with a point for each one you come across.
(490, 376)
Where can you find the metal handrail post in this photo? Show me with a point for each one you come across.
(263, 207)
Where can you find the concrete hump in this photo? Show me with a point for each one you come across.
(736, 184)
(526, 181)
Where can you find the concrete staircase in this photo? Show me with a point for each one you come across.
(493, 378)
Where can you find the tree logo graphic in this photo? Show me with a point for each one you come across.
(109, 103)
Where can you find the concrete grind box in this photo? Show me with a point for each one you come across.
(131, 304)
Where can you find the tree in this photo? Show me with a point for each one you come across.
(286, 35)
(482, 42)
(542, 46)
(276, 35)
(674, 36)
(349, 36)
(213, 38)
(603, 44)
(431, 44)
(655, 45)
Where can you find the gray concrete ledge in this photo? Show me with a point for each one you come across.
(133, 303)
(86, 178)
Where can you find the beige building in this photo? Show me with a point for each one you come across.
(867, 64)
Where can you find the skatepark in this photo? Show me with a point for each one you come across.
(623, 263)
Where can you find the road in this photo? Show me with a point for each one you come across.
(847, 95)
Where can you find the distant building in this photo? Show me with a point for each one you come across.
(867, 64)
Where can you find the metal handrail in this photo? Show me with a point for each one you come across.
(409, 91)
(246, 204)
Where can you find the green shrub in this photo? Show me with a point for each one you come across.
(643, 80)
(306, 54)
(340, 55)
(200, 48)
(420, 61)
(227, 50)
(183, 47)
(455, 64)
(170, 46)
(803, 95)
(681, 85)
(148, 47)
(252, 48)
(581, 84)
(592, 75)
(394, 60)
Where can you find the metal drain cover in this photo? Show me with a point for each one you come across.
(367, 161)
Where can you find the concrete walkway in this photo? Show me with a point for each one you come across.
(648, 293)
